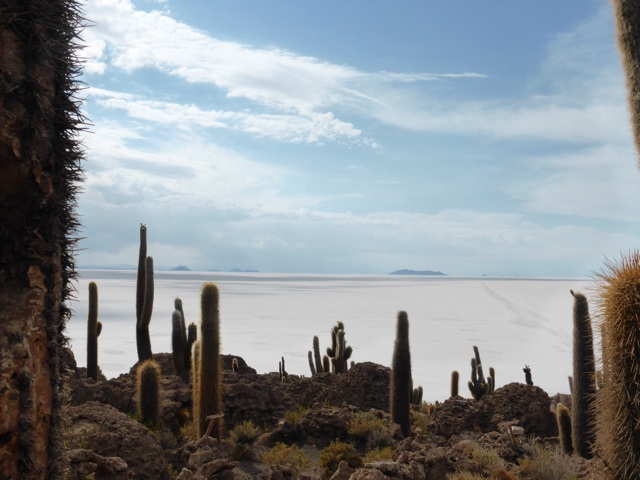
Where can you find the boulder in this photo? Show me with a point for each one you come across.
(110, 433)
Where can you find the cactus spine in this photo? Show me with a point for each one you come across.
(148, 393)
(144, 299)
(94, 327)
(584, 378)
(209, 367)
(563, 417)
(617, 406)
(401, 384)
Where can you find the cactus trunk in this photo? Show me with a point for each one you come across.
(617, 406)
(584, 378)
(148, 393)
(401, 384)
(210, 368)
(94, 327)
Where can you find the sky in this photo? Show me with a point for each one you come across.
(467, 137)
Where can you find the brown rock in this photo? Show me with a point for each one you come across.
(87, 464)
(110, 433)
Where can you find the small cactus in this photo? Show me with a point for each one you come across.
(148, 393)
(563, 417)
(527, 375)
(178, 345)
(316, 355)
(234, 365)
(455, 381)
(312, 366)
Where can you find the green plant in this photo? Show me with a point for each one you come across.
(292, 456)
(563, 417)
(378, 455)
(144, 299)
(372, 430)
(547, 464)
(488, 460)
(420, 419)
(584, 378)
(148, 393)
(336, 452)
(617, 406)
(294, 416)
(245, 432)
(94, 328)
(400, 384)
(209, 368)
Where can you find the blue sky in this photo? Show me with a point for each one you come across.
(357, 137)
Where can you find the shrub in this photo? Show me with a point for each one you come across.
(371, 429)
(290, 456)
(295, 415)
(547, 464)
(488, 460)
(246, 432)
(335, 453)
(378, 455)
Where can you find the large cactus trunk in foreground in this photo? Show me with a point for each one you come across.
(618, 408)
(627, 15)
(40, 170)
(401, 383)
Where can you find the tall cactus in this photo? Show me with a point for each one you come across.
(401, 383)
(312, 366)
(339, 353)
(617, 406)
(195, 382)
(179, 345)
(144, 299)
(584, 378)
(192, 336)
(94, 328)
(148, 393)
(478, 385)
(209, 368)
(316, 355)
(627, 15)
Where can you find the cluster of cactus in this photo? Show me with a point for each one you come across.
(338, 354)
(182, 340)
(206, 364)
(478, 385)
(401, 382)
(583, 390)
(282, 370)
(148, 393)
(144, 298)
(94, 328)
(416, 396)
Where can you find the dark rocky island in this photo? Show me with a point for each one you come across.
(405, 271)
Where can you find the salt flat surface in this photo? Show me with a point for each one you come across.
(266, 316)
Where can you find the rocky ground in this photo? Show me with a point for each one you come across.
(325, 427)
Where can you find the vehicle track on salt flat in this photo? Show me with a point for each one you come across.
(523, 315)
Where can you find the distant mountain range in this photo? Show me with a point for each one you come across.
(416, 272)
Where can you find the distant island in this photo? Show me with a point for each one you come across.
(180, 268)
(404, 271)
(240, 270)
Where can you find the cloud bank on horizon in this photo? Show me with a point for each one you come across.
(292, 139)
